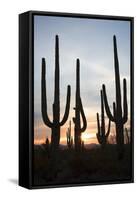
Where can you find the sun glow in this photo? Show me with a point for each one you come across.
(86, 136)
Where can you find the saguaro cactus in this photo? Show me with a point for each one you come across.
(82, 145)
(78, 111)
(47, 145)
(69, 137)
(56, 124)
(127, 136)
(47, 142)
(102, 135)
(118, 117)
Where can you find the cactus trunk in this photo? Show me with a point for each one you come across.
(77, 114)
(55, 137)
(56, 124)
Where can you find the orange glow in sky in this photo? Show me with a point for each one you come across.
(88, 137)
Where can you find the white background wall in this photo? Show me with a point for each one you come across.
(9, 11)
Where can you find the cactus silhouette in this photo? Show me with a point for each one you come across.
(82, 145)
(127, 136)
(47, 142)
(118, 117)
(69, 137)
(79, 112)
(56, 124)
(102, 135)
(47, 145)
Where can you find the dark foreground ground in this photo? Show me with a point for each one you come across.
(90, 166)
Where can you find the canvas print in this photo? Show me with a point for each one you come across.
(82, 100)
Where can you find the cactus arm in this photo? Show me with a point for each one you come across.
(44, 97)
(125, 107)
(65, 117)
(83, 117)
(98, 133)
(109, 123)
(114, 110)
(106, 104)
(102, 114)
(99, 138)
(98, 123)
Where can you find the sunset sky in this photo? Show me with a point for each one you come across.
(91, 41)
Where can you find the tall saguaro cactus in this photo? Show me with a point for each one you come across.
(119, 117)
(69, 137)
(56, 124)
(79, 112)
(102, 135)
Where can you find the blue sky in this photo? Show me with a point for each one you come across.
(91, 41)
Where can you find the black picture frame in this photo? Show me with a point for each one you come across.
(26, 96)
